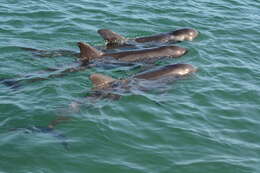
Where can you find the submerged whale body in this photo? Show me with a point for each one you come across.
(88, 53)
(174, 36)
(50, 129)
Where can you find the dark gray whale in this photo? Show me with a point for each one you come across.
(174, 36)
(88, 53)
(103, 85)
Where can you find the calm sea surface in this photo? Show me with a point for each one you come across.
(207, 123)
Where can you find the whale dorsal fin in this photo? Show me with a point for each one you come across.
(100, 80)
(88, 52)
(111, 37)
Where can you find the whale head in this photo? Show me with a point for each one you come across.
(175, 51)
(184, 34)
(180, 70)
(180, 51)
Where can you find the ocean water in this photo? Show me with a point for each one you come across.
(207, 122)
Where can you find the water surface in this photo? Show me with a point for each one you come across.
(208, 122)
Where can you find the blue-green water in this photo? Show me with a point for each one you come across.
(206, 123)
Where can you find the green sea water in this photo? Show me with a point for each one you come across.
(207, 123)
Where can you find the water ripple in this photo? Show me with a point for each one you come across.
(207, 122)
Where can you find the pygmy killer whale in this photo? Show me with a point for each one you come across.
(88, 53)
(174, 36)
(175, 71)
